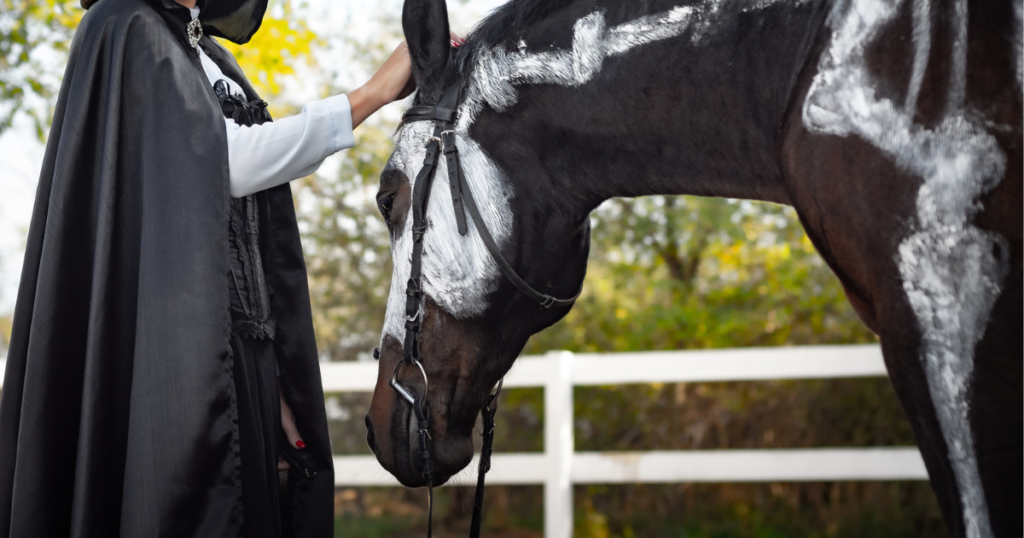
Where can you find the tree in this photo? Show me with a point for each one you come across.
(5, 335)
(685, 273)
(282, 43)
(346, 247)
(34, 38)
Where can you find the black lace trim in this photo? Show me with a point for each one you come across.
(256, 330)
(245, 231)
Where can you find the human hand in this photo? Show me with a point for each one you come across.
(456, 40)
(393, 81)
(290, 431)
(398, 67)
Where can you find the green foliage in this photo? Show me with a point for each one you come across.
(767, 414)
(35, 36)
(282, 43)
(364, 526)
(34, 39)
(772, 510)
(346, 247)
(691, 273)
(776, 510)
(5, 334)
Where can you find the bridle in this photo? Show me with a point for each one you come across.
(442, 140)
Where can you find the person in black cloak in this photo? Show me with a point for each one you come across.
(163, 326)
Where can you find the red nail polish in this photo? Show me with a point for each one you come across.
(300, 444)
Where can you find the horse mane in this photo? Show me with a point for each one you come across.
(512, 17)
(506, 22)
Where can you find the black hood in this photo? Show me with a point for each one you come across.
(234, 20)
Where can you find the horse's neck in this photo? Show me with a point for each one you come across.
(667, 100)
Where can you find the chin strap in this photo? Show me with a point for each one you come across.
(423, 423)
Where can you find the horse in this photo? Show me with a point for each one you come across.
(892, 127)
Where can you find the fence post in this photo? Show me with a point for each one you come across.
(559, 446)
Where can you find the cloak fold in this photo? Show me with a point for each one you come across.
(118, 414)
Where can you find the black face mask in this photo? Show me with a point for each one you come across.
(234, 20)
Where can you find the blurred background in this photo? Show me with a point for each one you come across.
(665, 273)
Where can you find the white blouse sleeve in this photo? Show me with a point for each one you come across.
(267, 155)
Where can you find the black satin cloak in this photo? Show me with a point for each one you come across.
(118, 410)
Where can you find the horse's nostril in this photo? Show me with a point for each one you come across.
(369, 435)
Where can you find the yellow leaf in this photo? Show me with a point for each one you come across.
(278, 47)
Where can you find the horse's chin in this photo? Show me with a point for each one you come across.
(449, 455)
(448, 458)
(453, 456)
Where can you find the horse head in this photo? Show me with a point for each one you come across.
(473, 321)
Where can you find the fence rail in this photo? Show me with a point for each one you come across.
(673, 466)
(559, 466)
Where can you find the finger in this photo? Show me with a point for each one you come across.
(288, 425)
(282, 464)
(456, 40)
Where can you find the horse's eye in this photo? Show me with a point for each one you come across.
(384, 203)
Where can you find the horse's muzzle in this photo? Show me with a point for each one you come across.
(449, 453)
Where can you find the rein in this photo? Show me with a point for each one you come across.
(442, 141)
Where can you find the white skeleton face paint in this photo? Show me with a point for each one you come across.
(952, 272)
(458, 272)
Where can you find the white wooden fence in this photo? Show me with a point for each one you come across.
(560, 466)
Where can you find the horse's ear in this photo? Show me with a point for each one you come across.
(425, 23)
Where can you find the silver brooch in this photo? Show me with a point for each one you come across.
(195, 31)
